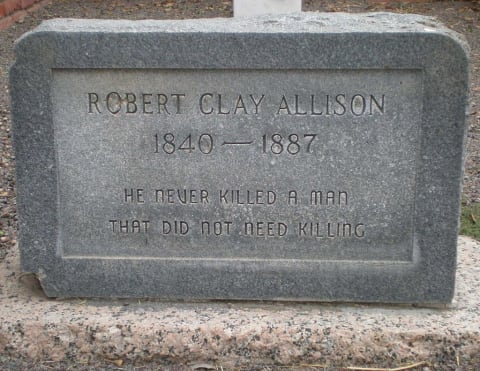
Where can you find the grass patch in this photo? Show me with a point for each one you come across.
(470, 221)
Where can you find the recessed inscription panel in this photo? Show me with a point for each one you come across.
(223, 164)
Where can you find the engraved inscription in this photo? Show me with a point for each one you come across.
(226, 164)
(117, 102)
(182, 196)
(328, 197)
(130, 103)
(233, 197)
(275, 143)
(129, 226)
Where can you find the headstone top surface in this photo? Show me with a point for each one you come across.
(305, 22)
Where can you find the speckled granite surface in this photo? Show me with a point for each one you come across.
(397, 169)
(233, 334)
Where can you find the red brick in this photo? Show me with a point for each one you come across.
(18, 16)
(7, 19)
(38, 5)
(10, 6)
(6, 22)
(26, 3)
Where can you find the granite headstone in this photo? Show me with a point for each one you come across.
(301, 157)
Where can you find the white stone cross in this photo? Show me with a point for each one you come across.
(243, 8)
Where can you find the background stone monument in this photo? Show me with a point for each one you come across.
(256, 7)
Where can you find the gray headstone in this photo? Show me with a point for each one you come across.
(306, 157)
(256, 7)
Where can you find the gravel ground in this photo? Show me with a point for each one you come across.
(462, 16)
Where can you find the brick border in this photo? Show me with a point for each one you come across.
(14, 10)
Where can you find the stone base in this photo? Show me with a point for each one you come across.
(228, 334)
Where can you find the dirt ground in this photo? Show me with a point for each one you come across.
(462, 16)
